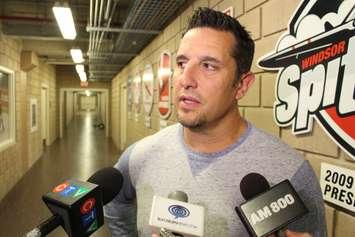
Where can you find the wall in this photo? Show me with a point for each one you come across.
(115, 109)
(102, 107)
(12, 165)
(16, 160)
(69, 99)
(43, 74)
(88, 103)
(265, 26)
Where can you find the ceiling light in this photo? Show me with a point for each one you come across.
(64, 19)
(83, 76)
(77, 55)
(80, 68)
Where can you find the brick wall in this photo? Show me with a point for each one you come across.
(258, 16)
(115, 104)
(11, 164)
(16, 160)
(42, 75)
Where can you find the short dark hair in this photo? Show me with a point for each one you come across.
(244, 47)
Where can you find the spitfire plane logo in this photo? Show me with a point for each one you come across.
(316, 63)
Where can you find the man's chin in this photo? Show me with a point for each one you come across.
(191, 124)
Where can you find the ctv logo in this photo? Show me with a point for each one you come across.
(88, 211)
(89, 217)
(316, 65)
(70, 190)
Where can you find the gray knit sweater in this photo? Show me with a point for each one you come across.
(162, 163)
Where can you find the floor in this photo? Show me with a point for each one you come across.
(83, 150)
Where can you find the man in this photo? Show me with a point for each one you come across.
(212, 147)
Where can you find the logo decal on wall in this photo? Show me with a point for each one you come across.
(316, 79)
(164, 87)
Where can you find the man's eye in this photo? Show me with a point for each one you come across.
(209, 66)
(180, 64)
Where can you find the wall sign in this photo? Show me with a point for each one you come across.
(137, 94)
(229, 11)
(7, 108)
(164, 80)
(148, 88)
(33, 114)
(316, 79)
(130, 96)
(148, 92)
(338, 186)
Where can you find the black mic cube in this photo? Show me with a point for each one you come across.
(79, 204)
(271, 210)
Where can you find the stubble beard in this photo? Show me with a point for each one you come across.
(199, 120)
(195, 123)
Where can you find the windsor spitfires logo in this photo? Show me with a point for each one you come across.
(316, 63)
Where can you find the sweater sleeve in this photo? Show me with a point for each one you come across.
(121, 212)
(307, 186)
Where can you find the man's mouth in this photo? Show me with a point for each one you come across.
(188, 102)
(189, 99)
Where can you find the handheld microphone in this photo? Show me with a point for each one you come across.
(173, 216)
(179, 196)
(77, 205)
(267, 210)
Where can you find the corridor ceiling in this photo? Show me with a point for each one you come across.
(109, 32)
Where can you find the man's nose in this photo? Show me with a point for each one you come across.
(188, 78)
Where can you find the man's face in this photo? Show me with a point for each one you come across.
(204, 86)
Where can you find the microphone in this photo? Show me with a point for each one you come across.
(173, 216)
(77, 205)
(267, 210)
(179, 196)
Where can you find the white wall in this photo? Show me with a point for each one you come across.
(88, 103)
(103, 101)
(69, 107)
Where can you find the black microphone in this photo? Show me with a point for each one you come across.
(78, 206)
(268, 210)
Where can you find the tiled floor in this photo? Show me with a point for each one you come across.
(83, 150)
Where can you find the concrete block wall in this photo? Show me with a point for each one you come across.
(42, 75)
(11, 164)
(266, 20)
(69, 107)
(115, 106)
(16, 160)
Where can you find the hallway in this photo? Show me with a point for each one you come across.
(83, 150)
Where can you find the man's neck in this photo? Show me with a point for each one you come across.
(215, 138)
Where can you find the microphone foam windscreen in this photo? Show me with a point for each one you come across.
(110, 180)
(179, 196)
(253, 184)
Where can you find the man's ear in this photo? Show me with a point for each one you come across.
(244, 84)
